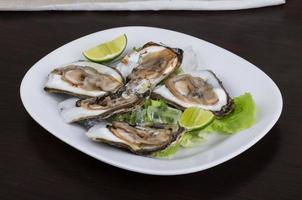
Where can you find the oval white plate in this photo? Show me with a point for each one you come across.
(238, 75)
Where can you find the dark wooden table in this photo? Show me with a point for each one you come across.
(36, 165)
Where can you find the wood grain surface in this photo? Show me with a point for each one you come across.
(36, 165)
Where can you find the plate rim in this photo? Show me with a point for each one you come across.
(154, 171)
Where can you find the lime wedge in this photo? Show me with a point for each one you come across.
(193, 118)
(107, 51)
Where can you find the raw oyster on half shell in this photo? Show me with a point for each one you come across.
(84, 79)
(201, 89)
(138, 139)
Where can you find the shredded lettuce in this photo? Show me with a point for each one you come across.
(243, 117)
(155, 111)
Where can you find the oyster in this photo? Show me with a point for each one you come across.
(138, 139)
(84, 79)
(153, 67)
(153, 62)
(74, 109)
(203, 90)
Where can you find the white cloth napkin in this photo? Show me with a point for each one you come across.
(32, 5)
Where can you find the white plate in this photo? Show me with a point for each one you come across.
(237, 74)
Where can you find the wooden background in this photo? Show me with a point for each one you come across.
(36, 165)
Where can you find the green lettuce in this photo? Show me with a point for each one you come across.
(168, 152)
(243, 117)
(189, 139)
(193, 138)
(155, 111)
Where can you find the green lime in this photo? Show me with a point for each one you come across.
(193, 118)
(107, 51)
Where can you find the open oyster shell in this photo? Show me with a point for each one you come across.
(84, 79)
(201, 89)
(137, 139)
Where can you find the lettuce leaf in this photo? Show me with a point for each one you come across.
(243, 117)
(189, 139)
(192, 138)
(168, 152)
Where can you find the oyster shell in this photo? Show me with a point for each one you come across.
(74, 109)
(203, 90)
(138, 139)
(153, 62)
(84, 79)
(153, 67)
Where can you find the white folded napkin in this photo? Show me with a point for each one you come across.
(31, 5)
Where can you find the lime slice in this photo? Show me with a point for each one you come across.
(107, 51)
(193, 118)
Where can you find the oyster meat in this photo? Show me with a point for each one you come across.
(84, 79)
(138, 139)
(203, 90)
